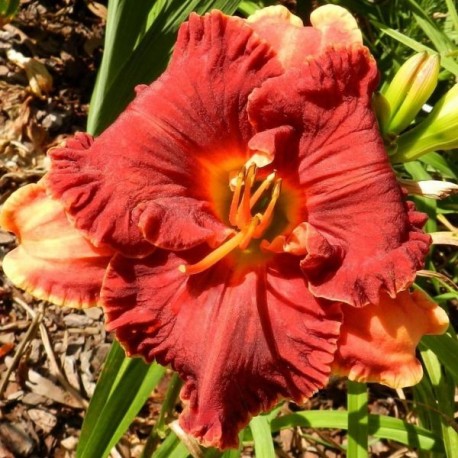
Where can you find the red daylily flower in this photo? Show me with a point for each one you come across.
(240, 221)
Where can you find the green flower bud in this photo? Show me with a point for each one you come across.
(382, 110)
(411, 87)
(438, 131)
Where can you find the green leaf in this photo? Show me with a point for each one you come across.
(439, 39)
(124, 387)
(446, 62)
(248, 7)
(444, 395)
(103, 389)
(380, 426)
(8, 8)
(429, 206)
(262, 437)
(118, 47)
(167, 408)
(439, 163)
(453, 13)
(149, 58)
(358, 418)
(445, 348)
(171, 448)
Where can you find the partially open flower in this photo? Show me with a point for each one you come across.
(244, 208)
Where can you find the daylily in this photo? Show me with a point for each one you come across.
(240, 221)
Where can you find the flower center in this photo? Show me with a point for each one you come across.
(249, 195)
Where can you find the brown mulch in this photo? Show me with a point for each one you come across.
(55, 354)
(50, 357)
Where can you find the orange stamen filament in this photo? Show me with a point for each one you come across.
(243, 245)
(244, 211)
(236, 199)
(265, 185)
(251, 227)
(268, 214)
(215, 256)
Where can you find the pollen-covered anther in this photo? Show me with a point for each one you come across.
(240, 215)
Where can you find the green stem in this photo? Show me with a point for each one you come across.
(157, 434)
(358, 441)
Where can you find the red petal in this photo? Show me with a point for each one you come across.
(54, 261)
(154, 164)
(377, 343)
(293, 42)
(240, 340)
(351, 193)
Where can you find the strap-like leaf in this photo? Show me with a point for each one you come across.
(358, 418)
(380, 426)
(262, 436)
(149, 58)
(445, 348)
(123, 388)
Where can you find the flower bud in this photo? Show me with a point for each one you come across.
(382, 110)
(438, 131)
(411, 87)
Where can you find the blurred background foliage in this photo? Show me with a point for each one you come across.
(138, 44)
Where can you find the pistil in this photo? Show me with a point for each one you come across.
(240, 216)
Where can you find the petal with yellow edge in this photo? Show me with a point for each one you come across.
(53, 261)
(285, 32)
(377, 342)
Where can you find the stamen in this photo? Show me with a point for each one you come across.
(251, 227)
(244, 210)
(267, 216)
(263, 187)
(236, 198)
(215, 256)
(249, 232)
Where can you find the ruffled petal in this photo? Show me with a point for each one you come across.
(377, 342)
(53, 261)
(337, 26)
(240, 340)
(161, 159)
(293, 42)
(351, 194)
